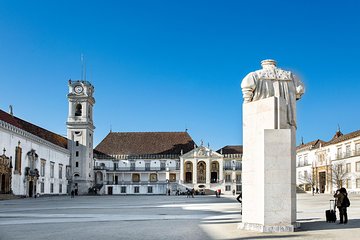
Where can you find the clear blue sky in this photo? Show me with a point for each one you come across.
(171, 65)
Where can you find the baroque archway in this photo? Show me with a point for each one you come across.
(201, 172)
(188, 172)
(5, 174)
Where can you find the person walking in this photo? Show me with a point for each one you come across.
(342, 203)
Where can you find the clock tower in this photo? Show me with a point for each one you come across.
(80, 131)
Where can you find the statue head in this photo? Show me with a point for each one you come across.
(268, 63)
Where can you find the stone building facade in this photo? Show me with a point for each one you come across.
(37, 158)
(329, 165)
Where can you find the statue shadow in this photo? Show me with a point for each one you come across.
(323, 225)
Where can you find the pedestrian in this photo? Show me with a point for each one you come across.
(233, 192)
(192, 192)
(219, 192)
(317, 190)
(72, 193)
(169, 191)
(216, 193)
(239, 198)
(313, 190)
(187, 193)
(342, 204)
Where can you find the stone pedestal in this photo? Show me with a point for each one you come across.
(268, 175)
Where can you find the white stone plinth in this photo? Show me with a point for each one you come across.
(268, 175)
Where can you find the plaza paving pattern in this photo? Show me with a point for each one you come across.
(159, 217)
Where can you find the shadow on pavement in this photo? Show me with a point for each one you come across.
(272, 236)
(323, 225)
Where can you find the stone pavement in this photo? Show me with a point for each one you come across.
(159, 217)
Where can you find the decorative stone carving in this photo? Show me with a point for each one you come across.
(273, 82)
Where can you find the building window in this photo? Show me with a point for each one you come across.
(300, 161)
(147, 166)
(150, 189)
(348, 167)
(238, 178)
(357, 166)
(227, 165)
(238, 188)
(227, 188)
(77, 164)
(338, 153)
(18, 151)
(136, 189)
(77, 153)
(136, 177)
(51, 188)
(357, 148)
(60, 188)
(358, 183)
(347, 151)
(306, 160)
(78, 110)
(348, 183)
(42, 187)
(123, 189)
(172, 177)
(60, 171)
(227, 178)
(42, 168)
(52, 164)
(153, 177)
(305, 174)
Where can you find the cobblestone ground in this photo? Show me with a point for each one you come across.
(158, 217)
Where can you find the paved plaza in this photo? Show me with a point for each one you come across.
(158, 217)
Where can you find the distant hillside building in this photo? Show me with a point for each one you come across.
(327, 166)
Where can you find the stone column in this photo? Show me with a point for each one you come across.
(221, 170)
(181, 170)
(194, 161)
(208, 171)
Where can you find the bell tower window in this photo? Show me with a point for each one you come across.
(78, 110)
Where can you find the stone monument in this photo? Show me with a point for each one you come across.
(269, 141)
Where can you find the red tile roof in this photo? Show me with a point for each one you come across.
(142, 143)
(236, 149)
(33, 129)
(342, 137)
(310, 145)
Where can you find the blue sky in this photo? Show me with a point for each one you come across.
(172, 65)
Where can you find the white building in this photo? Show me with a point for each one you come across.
(140, 162)
(158, 162)
(330, 165)
(39, 158)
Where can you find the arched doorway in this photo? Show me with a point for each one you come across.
(214, 172)
(188, 172)
(5, 174)
(201, 172)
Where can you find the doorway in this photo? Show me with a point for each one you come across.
(322, 181)
(110, 190)
(214, 177)
(31, 186)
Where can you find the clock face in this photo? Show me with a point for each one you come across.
(78, 89)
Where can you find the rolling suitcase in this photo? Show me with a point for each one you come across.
(331, 213)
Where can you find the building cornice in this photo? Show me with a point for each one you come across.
(8, 127)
